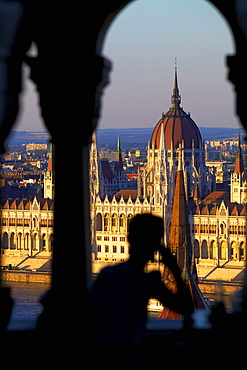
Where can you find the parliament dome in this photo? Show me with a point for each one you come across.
(176, 126)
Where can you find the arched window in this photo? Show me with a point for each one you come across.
(122, 221)
(204, 249)
(242, 251)
(213, 250)
(19, 239)
(107, 222)
(114, 223)
(234, 251)
(12, 241)
(196, 249)
(99, 222)
(26, 241)
(223, 250)
(5, 240)
(129, 218)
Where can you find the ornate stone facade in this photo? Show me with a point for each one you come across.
(27, 225)
(217, 227)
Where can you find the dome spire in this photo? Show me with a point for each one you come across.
(176, 98)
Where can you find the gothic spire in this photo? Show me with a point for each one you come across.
(176, 98)
(239, 164)
(119, 161)
(179, 238)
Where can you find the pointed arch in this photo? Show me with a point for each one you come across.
(99, 222)
(107, 222)
(122, 223)
(5, 242)
(114, 222)
(204, 248)
(196, 249)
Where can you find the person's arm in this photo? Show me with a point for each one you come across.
(181, 301)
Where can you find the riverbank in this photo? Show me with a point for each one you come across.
(228, 287)
(26, 276)
(207, 286)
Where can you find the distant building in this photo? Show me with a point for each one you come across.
(104, 178)
(35, 146)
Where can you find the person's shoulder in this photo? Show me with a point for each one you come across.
(113, 269)
(154, 275)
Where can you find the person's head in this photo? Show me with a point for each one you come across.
(145, 233)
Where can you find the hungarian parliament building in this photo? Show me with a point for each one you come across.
(217, 218)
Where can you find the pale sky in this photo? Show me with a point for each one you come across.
(142, 44)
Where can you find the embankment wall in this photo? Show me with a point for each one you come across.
(26, 277)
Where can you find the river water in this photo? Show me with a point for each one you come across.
(27, 308)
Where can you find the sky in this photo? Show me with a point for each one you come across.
(142, 43)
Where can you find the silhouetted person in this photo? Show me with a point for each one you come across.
(121, 292)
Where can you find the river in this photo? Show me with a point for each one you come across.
(27, 308)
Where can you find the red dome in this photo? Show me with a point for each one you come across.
(177, 126)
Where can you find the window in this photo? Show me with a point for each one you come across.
(99, 238)
(99, 248)
(122, 249)
(106, 238)
(26, 222)
(114, 238)
(19, 221)
(106, 248)
(43, 223)
(12, 222)
(122, 238)
(50, 223)
(114, 249)
(4, 221)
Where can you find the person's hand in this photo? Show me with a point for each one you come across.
(169, 260)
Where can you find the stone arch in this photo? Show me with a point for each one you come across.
(204, 249)
(213, 250)
(222, 228)
(234, 251)
(26, 241)
(129, 218)
(107, 222)
(51, 241)
(12, 243)
(114, 222)
(122, 222)
(242, 252)
(19, 240)
(44, 244)
(35, 242)
(99, 222)
(223, 248)
(5, 244)
(196, 249)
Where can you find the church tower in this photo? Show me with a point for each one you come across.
(180, 246)
(238, 179)
(119, 178)
(48, 177)
(179, 240)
